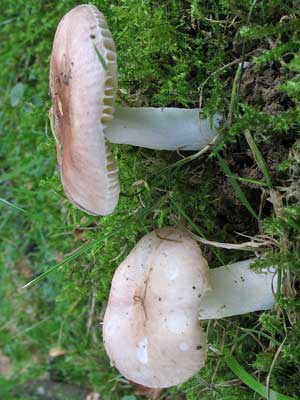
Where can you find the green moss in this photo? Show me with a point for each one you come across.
(171, 53)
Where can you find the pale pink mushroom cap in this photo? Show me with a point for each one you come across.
(151, 330)
(83, 83)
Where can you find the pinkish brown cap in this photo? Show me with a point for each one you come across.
(151, 330)
(83, 84)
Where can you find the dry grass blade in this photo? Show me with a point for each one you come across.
(272, 366)
(246, 246)
(236, 186)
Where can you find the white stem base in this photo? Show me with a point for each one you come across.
(236, 289)
(162, 128)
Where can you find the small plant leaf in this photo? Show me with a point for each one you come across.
(16, 94)
(248, 379)
(9, 204)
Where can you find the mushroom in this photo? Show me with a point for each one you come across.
(236, 289)
(162, 128)
(83, 85)
(151, 330)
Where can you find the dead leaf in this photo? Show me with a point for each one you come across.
(93, 396)
(150, 393)
(59, 257)
(24, 267)
(56, 352)
(79, 235)
(5, 366)
(29, 185)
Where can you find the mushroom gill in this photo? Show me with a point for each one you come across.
(83, 84)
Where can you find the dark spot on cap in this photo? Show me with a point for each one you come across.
(198, 347)
(194, 287)
(159, 299)
(92, 36)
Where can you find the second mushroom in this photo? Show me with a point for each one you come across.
(151, 329)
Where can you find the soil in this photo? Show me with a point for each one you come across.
(240, 161)
(261, 88)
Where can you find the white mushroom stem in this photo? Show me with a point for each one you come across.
(236, 289)
(162, 128)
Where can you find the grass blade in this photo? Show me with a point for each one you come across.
(84, 249)
(101, 59)
(34, 217)
(236, 186)
(16, 172)
(258, 158)
(292, 223)
(234, 95)
(259, 333)
(251, 382)
(253, 181)
(9, 204)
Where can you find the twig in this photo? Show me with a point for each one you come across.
(272, 366)
(192, 157)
